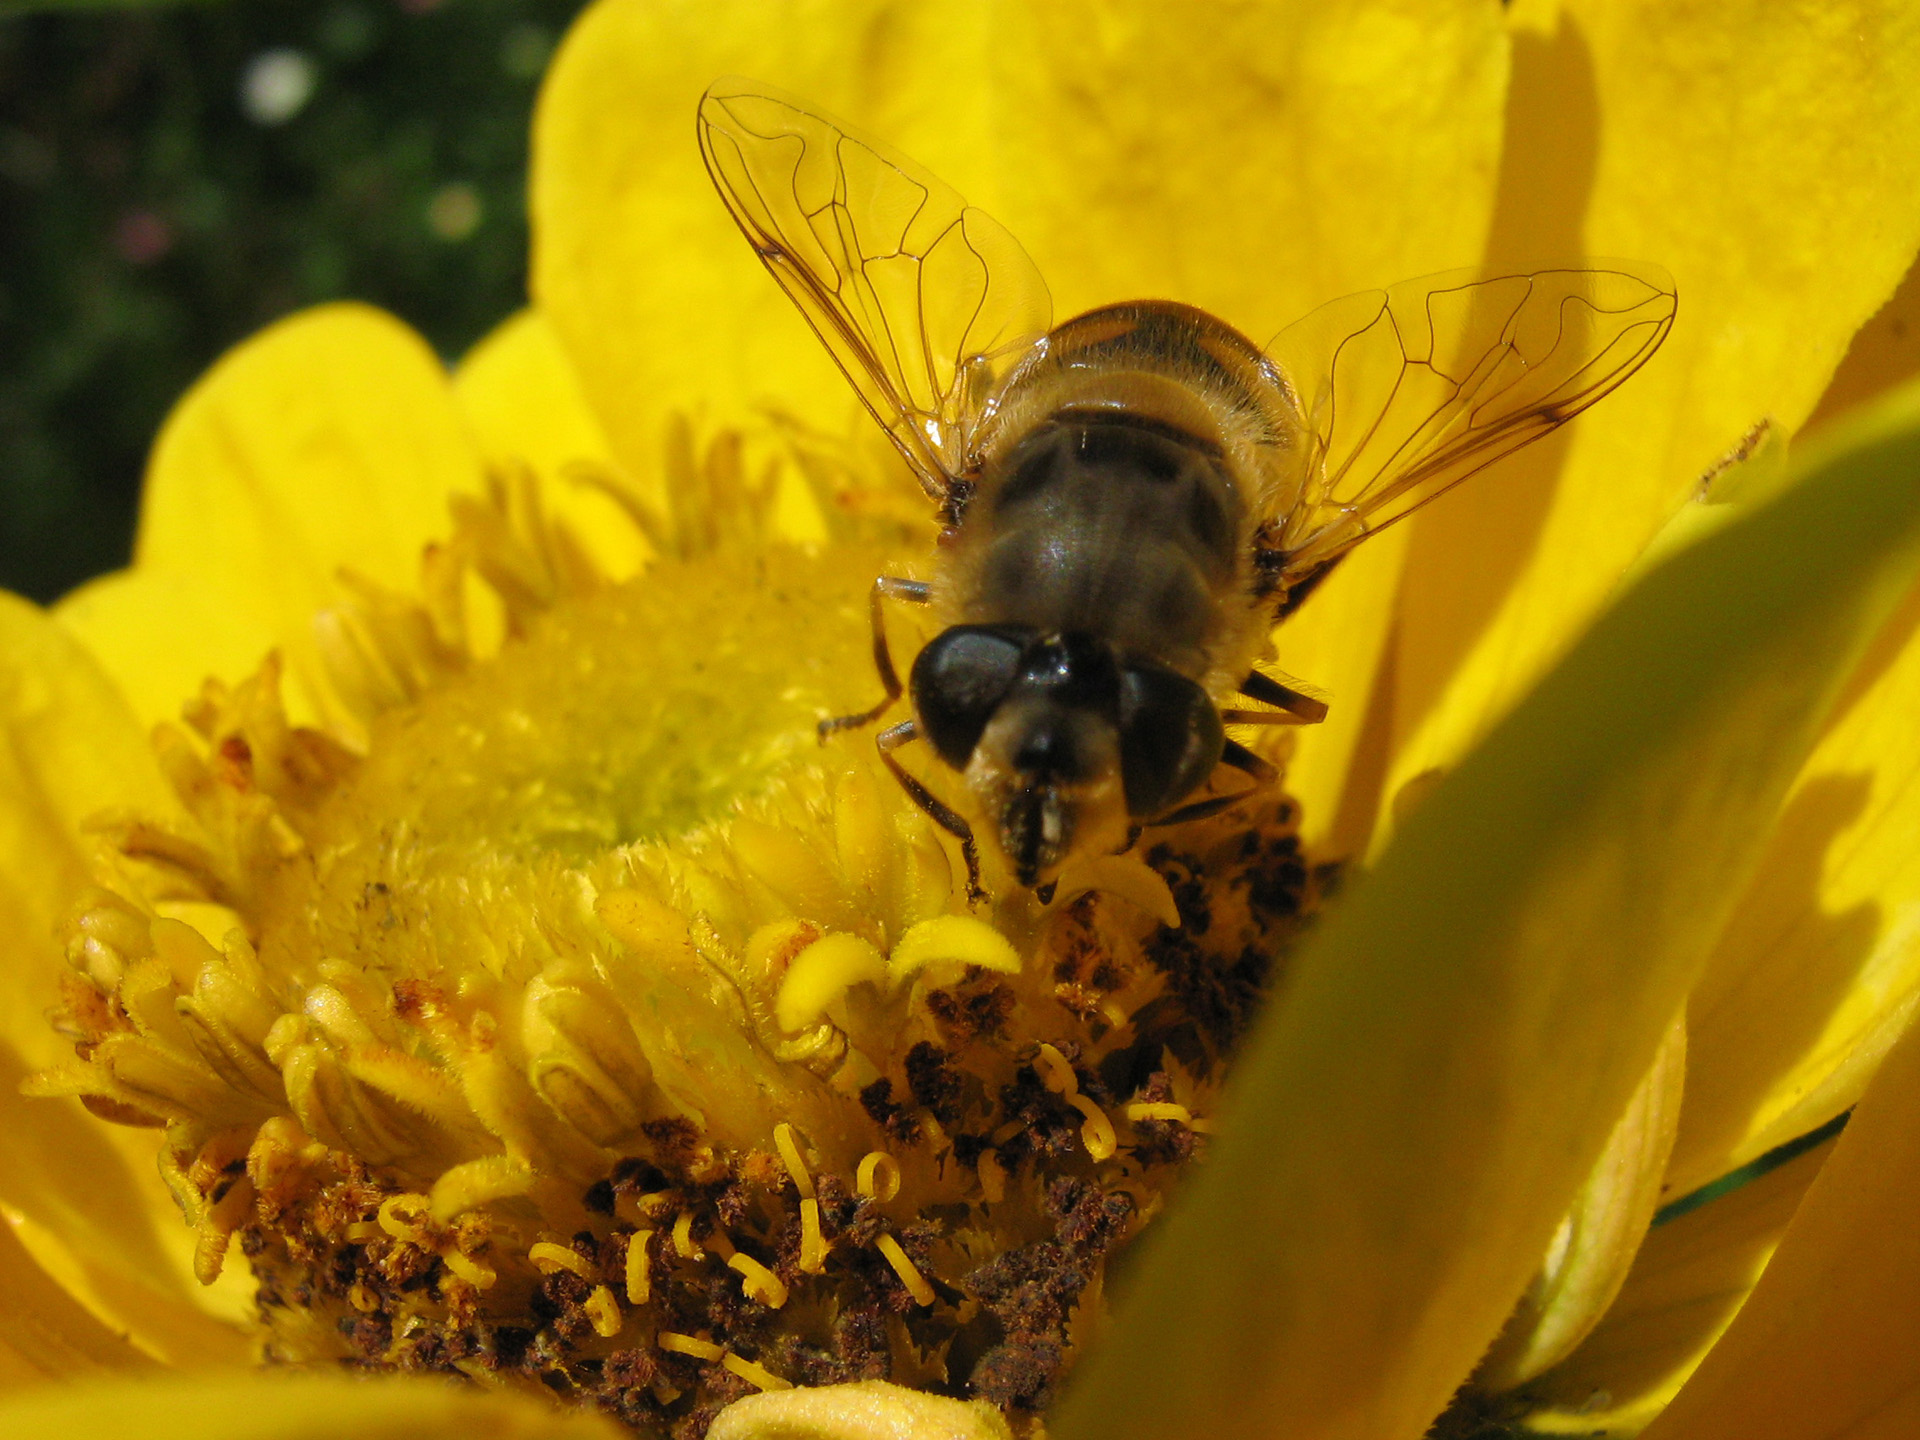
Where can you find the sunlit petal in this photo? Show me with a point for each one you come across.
(328, 440)
(1819, 969)
(87, 1191)
(44, 1332)
(1784, 229)
(522, 400)
(1327, 151)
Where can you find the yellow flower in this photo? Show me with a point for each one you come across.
(1476, 1063)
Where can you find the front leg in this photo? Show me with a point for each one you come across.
(1291, 707)
(885, 587)
(943, 815)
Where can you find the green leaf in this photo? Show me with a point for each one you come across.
(1421, 1105)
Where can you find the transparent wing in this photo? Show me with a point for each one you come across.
(922, 299)
(1408, 391)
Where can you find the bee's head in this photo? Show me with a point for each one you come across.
(1063, 742)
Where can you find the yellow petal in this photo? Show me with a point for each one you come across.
(1885, 352)
(1258, 164)
(86, 1191)
(1818, 970)
(1687, 1283)
(1817, 973)
(523, 402)
(1594, 1248)
(295, 1407)
(45, 1334)
(1457, 1042)
(1340, 642)
(1726, 143)
(328, 440)
(160, 633)
(1825, 1344)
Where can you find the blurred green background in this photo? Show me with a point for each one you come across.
(173, 177)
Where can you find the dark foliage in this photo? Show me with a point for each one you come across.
(148, 221)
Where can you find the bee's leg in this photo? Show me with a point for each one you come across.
(1294, 707)
(945, 816)
(885, 587)
(1241, 758)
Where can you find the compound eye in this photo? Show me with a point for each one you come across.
(1170, 738)
(958, 682)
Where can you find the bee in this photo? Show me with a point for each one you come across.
(1130, 500)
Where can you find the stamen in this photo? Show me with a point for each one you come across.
(1055, 1073)
(1097, 1133)
(821, 974)
(477, 1274)
(909, 1274)
(639, 1271)
(404, 1217)
(603, 1312)
(679, 1344)
(469, 1186)
(1141, 1110)
(813, 1245)
(790, 1157)
(878, 1177)
(684, 1244)
(1124, 876)
(755, 1375)
(993, 1177)
(549, 1258)
(952, 942)
(758, 1281)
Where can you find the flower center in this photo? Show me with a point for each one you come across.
(599, 1026)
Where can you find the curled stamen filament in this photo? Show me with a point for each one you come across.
(908, 1272)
